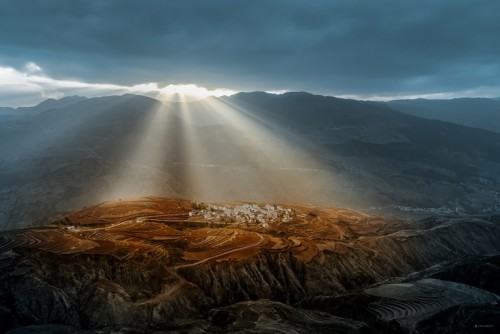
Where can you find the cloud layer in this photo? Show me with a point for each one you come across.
(360, 48)
(31, 86)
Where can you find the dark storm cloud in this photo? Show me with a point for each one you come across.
(339, 47)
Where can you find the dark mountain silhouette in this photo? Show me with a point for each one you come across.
(51, 104)
(483, 113)
(8, 114)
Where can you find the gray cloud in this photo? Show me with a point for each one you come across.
(332, 47)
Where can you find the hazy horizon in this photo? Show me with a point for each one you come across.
(156, 96)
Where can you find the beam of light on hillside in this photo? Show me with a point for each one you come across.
(263, 165)
(218, 151)
(210, 149)
(215, 150)
(140, 170)
(192, 162)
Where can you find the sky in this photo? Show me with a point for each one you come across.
(361, 49)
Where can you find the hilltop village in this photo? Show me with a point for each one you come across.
(246, 213)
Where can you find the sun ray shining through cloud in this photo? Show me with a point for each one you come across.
(267, 162)
(141, 170)
(272, 167)
(219, 151)
(193, 160)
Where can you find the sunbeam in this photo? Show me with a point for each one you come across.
(141, 164)
(290, 163)
(221, 152)
(214, 150)
(192, 161)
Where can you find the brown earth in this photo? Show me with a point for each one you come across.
(150, 262)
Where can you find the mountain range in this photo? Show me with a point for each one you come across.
(483, 113)
(295, 147)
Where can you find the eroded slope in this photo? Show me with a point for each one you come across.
(151, 262)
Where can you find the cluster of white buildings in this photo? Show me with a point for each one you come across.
(246, 213)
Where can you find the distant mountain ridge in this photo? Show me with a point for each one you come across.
(7, 113)
(52, 104)
(481, 113)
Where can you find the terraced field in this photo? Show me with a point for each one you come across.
(148, 263)
(152, 226)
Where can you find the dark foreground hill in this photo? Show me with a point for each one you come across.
(294, 147)
(153, 265)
